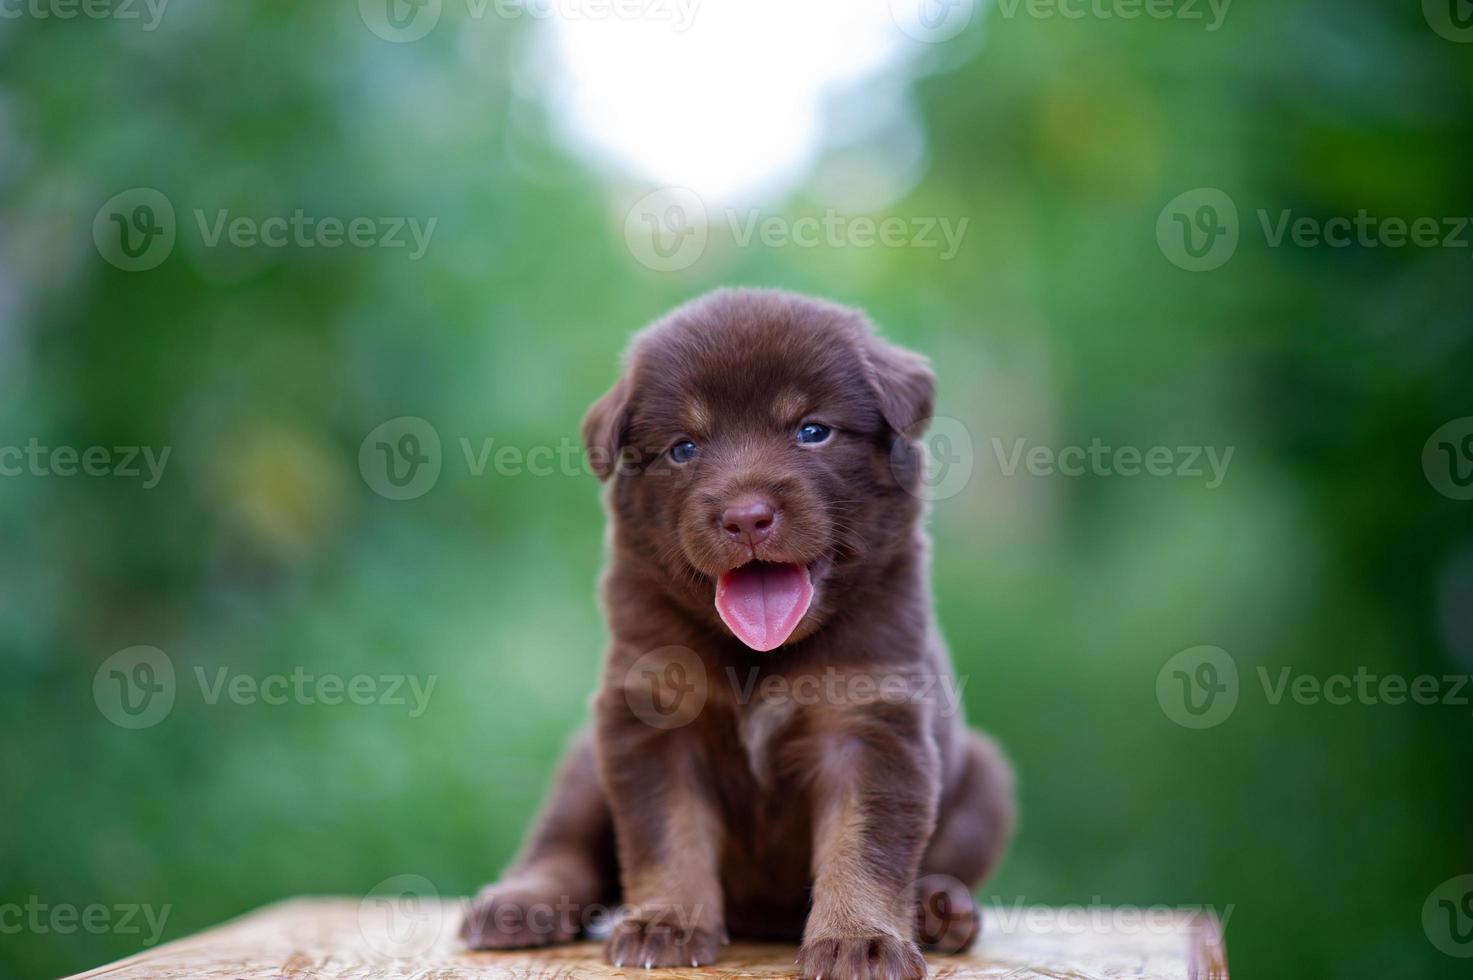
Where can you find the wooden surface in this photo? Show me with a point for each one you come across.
(306, 939)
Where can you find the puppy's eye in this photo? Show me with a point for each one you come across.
(814, 433)
(683, 452)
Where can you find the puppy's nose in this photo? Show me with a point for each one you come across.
(749, 519)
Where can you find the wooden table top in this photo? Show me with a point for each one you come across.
(311, 938)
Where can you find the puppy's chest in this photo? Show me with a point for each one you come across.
(762, 731)
(763, 798)
(752, 750)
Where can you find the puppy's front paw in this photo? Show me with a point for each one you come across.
(506, 916)
(650, 940)
(861, 958)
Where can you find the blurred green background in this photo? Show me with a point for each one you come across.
(1320, 829)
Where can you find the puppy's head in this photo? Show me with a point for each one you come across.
(762, 450)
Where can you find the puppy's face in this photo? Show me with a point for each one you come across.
(759, 450)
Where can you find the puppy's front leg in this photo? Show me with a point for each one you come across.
(668, 832)
(876, 787)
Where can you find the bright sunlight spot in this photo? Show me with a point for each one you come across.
(723, 97)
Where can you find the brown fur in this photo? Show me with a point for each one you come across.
(858, 821)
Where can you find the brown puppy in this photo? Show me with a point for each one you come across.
(772, 753)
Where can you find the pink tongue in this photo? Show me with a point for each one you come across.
(763, 603)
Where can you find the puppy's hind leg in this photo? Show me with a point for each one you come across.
(972, 833)
(566, 865)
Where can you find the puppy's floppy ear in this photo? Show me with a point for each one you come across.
(904, 383)
(604, 429)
